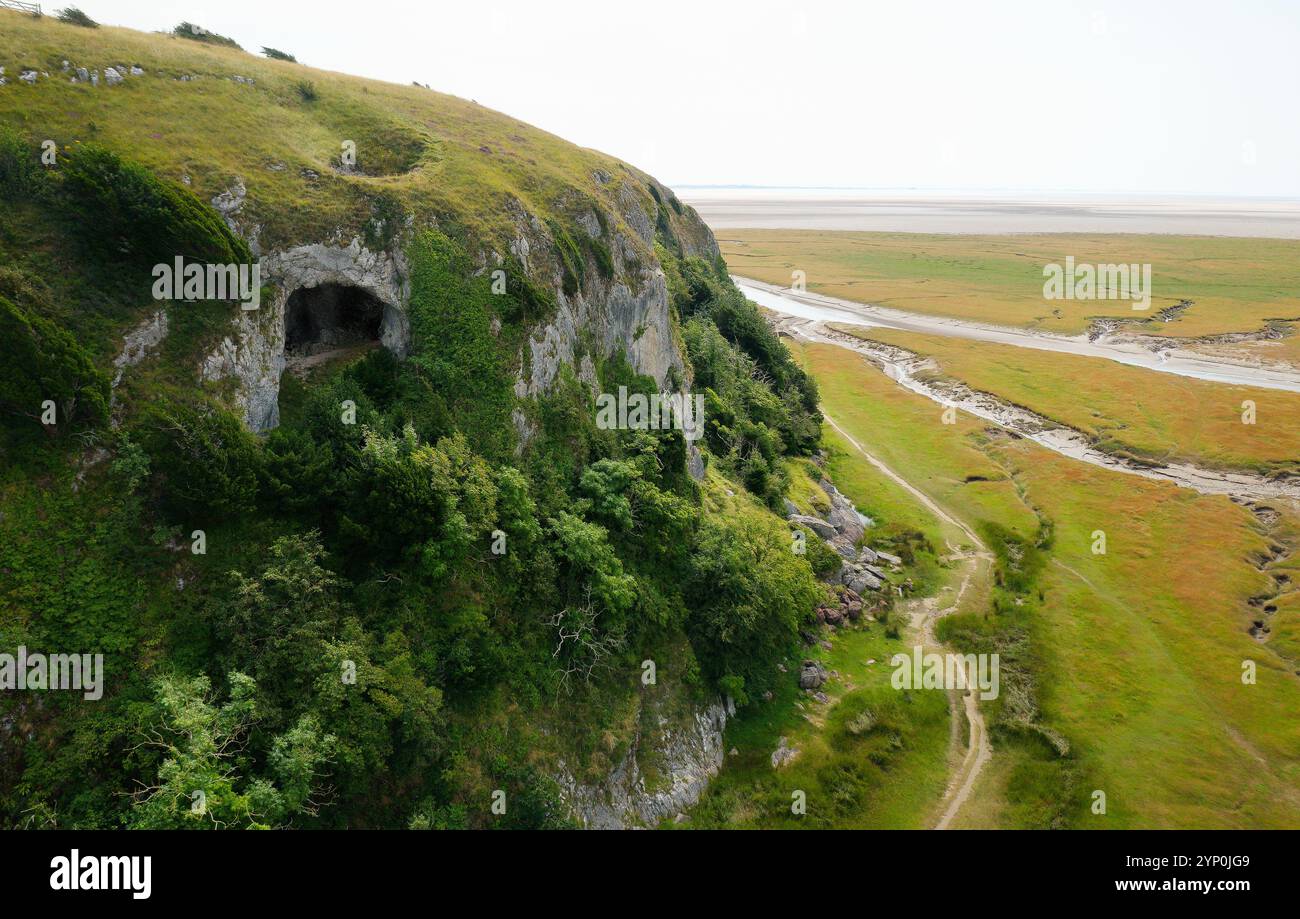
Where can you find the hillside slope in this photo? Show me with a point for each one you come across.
(365, 554)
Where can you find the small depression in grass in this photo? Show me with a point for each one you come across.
(327, 322)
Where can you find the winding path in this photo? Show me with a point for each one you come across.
(925, 615)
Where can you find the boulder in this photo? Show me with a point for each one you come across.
(892, 559)
(111, 76)
(816, 524)
(859, 579)
(813, 675)
(868, 556)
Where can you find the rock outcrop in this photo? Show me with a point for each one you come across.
(842, 527)
(686, 756)
(252, 355)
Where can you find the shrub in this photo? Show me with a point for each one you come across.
(139, 215)
(198, 33)
(42, 361)
(75, 17)
(18, 169)
(307, 91)
(277, 55)
(575, 269)
(208, 462)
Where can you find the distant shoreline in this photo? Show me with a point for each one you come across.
(959, 212)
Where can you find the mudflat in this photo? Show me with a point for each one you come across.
(943, 212)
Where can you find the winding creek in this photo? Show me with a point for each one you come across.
(909, 370)
(822, 308)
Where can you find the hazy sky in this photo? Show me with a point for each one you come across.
(1195, 97)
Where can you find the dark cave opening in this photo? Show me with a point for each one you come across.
(330, 317)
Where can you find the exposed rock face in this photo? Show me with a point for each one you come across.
(619, 319)
(843, 515)
(687, 757)
(842, 529)
(628, 312)
(139, 342)
(252, 355)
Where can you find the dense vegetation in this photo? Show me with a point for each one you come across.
(376, 618)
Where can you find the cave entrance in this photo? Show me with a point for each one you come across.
(328, 321)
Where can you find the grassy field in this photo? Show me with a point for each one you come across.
(1127, 410)
(1140, 650)
(890, 775)
(1236, 285)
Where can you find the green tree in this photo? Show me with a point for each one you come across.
(748, 595)
(202, 781)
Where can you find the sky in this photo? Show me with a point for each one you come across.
(1135, 97)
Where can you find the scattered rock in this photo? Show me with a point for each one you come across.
(28, 77)
(137, 71)
(231, 201)
(892, 559)
(783, 754)
(858, 579)
(843, 515)
(813, 675)
(111, 76)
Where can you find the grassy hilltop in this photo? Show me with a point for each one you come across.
(433, 154)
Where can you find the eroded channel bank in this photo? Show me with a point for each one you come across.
(909, 370)
(1154, 354)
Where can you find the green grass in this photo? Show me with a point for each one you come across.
(1139, 651)
(888, 777)
(434, 154)
(1126, 410)
(1237, 285)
